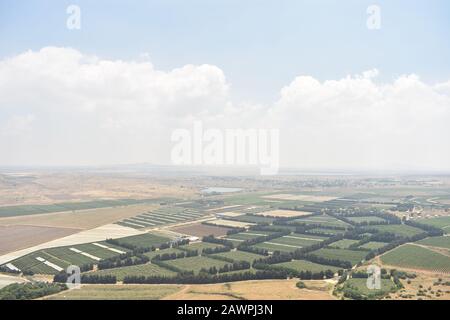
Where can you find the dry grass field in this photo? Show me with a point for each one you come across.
(50, 187)
(293, 197)
(201, 230)
(255, 290)
(18, 237)
(82, 219)
(283, 213)
(230, 223)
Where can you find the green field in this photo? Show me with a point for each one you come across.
(271, 247)
(330, 232)
(341, 254)
(296, 241)
(343, 244)
(145, 240)
(373, 245)
(240, 256)
(400, 230)
(153, 254)
(323, 220)
(304, 265)
(440, 242)
(196, 263)
(440, 222)
(147, 270)
(360, 285)
(200, 246)
(366, 219)
(415, 257)
(63, 257)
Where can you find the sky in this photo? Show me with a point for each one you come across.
(344, 95)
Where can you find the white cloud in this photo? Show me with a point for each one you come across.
(93, 111)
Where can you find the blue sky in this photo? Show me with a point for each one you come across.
(260, 45)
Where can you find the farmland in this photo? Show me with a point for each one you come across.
(352, 256)
(18, 237)
(164, 215)
(440, 222)
(138, 270)
(440, 242)
(415, 257)
(196, 263)
(240, 256)
(398, 229)
(317, 225)
(303, 265)
(201, 230)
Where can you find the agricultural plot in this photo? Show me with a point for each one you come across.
(195, 264)
(288, 243)
(230, 223)
(146, 270)
(18, 237)
(300, 197)
(283, 213)
(237, 255)
(416, 257)
(366, 219)
(162, 216)
(146, 240)
(322, 220)
(373, 245)
(201, 230)
(360, 285)
(343, 244)
(248, 235)
(12, 211)
(304, 265)
(200, 246)
(440, 222)
(252, 219)
(400, 230)
(353, 256)
(152, 254)
(329, 232)
(440, 242)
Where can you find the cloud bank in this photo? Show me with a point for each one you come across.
(59, 106)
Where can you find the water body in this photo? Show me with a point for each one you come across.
(220, 190)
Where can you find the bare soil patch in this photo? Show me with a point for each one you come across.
(201, 230)
(18, 237)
